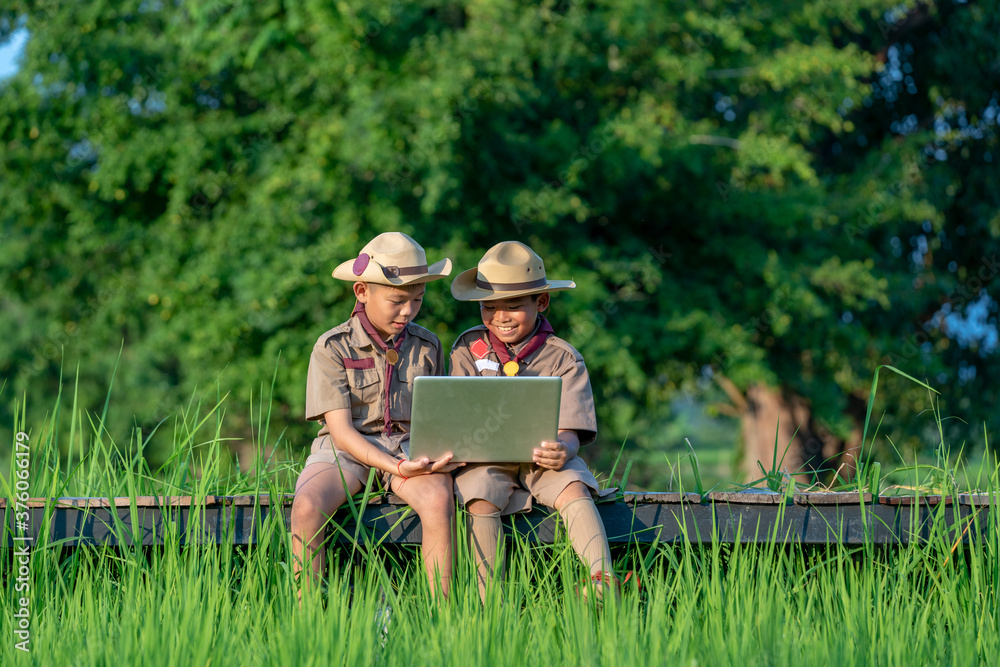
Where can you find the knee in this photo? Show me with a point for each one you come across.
(480, 506)
(435, 501)
(307, 508)
(573, 491)
(443, 502)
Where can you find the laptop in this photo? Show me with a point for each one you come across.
(483, 419)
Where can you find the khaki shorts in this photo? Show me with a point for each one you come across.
(396, 445)
(511, 486)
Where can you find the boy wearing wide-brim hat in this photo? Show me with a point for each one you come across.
(360, 389)
(515, 339)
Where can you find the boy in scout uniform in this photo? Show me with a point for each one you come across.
(359, 389)
(515, 339)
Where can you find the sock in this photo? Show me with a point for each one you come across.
(585, 530)
(484, 531)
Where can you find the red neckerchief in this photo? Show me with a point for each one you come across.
(359, 311)
(542, 333)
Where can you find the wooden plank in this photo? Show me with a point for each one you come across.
(262, 499)
(176, 501)
(748, 497)
(831, 498)
(140, 501)
(659, 498)
(745, 497)
(978, 499)
(929, 500)
(642, 519)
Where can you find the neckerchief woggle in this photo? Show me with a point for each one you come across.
(391, 356)
(511, 367)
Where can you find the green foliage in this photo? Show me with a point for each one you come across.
(721, 180)
(714, 606)
(183, 604)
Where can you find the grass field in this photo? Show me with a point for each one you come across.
(717, 606)
(194, 605)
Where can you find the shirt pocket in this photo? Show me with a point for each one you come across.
(364, 384)
(402, 398)
(415, 371)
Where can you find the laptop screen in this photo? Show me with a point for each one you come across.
(483, 419)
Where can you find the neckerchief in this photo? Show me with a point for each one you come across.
(359, 311)
(542, 332)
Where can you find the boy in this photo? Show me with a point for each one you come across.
(515, 339)
(359, 388)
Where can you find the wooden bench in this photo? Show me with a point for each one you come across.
(643, 518)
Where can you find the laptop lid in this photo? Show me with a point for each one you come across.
(483, 419)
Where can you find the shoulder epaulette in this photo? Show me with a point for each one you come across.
(425, 334)
(560, 343)
(336, 332)
(461, 340)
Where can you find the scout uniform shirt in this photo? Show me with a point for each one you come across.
(473, 355)
(348, 370)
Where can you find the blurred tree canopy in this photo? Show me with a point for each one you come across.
(760, 201)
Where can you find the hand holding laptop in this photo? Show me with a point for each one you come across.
(553, 454)
(425, 466)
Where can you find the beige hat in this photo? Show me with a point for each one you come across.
(507, 270)
(392, 258)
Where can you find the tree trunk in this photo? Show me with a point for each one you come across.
(805, 449)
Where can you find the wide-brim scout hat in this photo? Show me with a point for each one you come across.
(508, 270)
(392, 258)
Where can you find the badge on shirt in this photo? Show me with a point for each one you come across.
(486, 364)
(479, 349)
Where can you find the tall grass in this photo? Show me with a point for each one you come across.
(189, 604)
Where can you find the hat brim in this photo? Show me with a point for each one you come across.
(373, 274)
(464, 288)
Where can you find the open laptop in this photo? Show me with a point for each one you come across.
(483, 419)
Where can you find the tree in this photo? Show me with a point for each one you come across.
(185, 178)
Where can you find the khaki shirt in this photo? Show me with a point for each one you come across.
(347, 370)
(556, 358)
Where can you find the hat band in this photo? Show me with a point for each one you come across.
(397, 271)
(510, 287)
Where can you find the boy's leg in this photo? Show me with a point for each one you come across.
(319, 491)
(432, 498)
(569, 491)
(483, 528)
(486, 489)
(584, 527)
